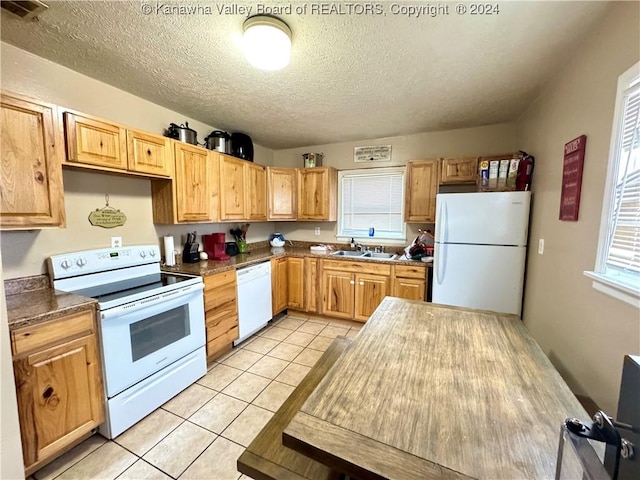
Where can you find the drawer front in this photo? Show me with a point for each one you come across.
(220, 294)
(357, 267)
(406, 271)
(216, 344)
(219, 279)
(30, 338)
(226, 310)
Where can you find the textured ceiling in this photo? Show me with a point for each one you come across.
(351, 76)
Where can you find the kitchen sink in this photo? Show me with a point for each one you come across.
(371, 255)
(381, 256)
(346, 253)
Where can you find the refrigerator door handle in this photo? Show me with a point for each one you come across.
(440, 261)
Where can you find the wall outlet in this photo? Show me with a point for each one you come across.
(541, 246)
(317, 231)
(116, 242)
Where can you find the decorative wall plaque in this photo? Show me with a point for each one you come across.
(572, 178)
(378, 153)
(107, 216)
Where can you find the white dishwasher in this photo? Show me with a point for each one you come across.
(254, 299)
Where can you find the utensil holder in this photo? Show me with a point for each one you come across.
(242, 246)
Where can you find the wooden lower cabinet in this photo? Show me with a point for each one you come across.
(221, 312)
(409, 282)
(337, 294)
(59, 386)
(311, 285)
(279, 285)
(295, 279)
(370, 291)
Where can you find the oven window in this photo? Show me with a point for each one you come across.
(154, 333)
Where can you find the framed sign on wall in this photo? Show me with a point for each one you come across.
(572, 178)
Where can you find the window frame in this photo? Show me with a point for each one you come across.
(601, 281)
(364, 171)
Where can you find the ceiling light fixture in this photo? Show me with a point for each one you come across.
(267, 42)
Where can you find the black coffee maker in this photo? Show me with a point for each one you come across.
(190, 252)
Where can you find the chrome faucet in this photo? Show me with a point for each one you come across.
(379, 249)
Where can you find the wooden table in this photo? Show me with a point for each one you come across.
(428, 391)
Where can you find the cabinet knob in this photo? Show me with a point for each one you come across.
(352, 282)
(362, 284)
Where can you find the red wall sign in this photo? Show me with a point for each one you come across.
(572, 178)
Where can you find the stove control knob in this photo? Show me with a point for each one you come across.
(81, 262)
(152, 253)
(65, 264)
(143, 254)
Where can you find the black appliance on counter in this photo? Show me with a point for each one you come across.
(190, 252)
(231, 248)
(242, 146)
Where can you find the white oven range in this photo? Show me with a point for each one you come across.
(151, 325)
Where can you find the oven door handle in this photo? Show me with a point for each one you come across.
(170, 296)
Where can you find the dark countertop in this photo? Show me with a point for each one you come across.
(210, 267)
(41, 305)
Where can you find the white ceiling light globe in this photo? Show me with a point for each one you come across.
(267, 42)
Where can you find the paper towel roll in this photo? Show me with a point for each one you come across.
(169, 253)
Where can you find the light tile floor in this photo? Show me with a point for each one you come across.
(200, 433)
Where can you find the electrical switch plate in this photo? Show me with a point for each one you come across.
(317, 231)
(116, 242)
(541, 246)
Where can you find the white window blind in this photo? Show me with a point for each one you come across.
(617, 271)
(623, 253)
(372, 197)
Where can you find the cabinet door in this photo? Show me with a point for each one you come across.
(282, 193)
(337, 294)
(370, 291)
(60, 397)
(279, 285)
(221, 311)
(317, 194)
(149, 153)
(311, 285)
(193, 183)
(255, 188)
(421, 190)
(409, 288)
(295, 279)
(95, 142)
(232, 201)
(459, 170)
(31, 175)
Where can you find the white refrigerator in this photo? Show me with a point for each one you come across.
(480, 250)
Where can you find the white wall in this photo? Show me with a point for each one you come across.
(491, 139)
(11, 465)
(584, 332)
(24, 252)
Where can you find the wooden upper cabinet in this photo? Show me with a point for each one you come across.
(421, 190)
(31, 193)
(282, 193)
(148, 153)
(194, 183)
(232, 199)
(317, 193)
(95, 142)
(459, 170)
(255, 188)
